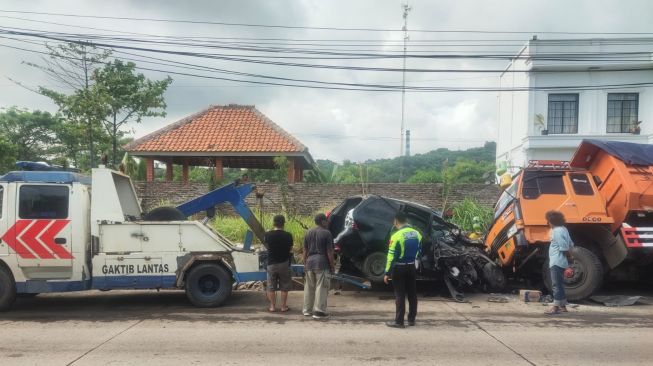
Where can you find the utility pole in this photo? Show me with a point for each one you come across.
(406, 9)
(407, 152)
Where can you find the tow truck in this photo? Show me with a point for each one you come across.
(61, 231)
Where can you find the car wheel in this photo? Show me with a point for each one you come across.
(7, 290)
(208, 285)
(588, 275)
(373, 267)
(164, 214)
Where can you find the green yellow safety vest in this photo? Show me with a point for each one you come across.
(405, 247)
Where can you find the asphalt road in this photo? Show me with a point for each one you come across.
(150, 328)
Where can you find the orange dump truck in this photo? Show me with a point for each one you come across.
(606, 195)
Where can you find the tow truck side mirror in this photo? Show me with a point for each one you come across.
(505, 181)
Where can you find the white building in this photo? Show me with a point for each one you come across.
(574, 89)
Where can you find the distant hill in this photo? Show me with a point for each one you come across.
(471, 165)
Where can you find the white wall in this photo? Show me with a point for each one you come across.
(520, 138)
(513, 110)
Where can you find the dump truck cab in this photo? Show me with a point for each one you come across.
(606, 195)
(519, 236)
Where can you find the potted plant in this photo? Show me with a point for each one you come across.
(635, 129)
(539, 121)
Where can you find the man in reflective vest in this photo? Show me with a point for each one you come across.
(404, 248)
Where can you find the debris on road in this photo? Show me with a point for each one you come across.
(530, 295)
(498, 299)
(616, 300)
(251, 285)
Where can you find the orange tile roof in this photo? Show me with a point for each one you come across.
(220, 129)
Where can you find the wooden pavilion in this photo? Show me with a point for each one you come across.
(231, 136)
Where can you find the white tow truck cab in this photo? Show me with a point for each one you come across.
(61, 231)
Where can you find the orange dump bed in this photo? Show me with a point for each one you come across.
(623, 173)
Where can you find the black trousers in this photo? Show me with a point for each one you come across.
(404, 281)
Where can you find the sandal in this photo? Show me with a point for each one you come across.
(563, 309)
(553, 311)
(270, 310)
(285, 310)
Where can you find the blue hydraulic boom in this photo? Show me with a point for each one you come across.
(234, 194)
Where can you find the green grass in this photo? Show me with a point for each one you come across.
(234, 227)
(468, 212)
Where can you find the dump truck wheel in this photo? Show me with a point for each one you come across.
(164, 214)
(373, 267)
(588, 275)
(208, 285)
(7, 289)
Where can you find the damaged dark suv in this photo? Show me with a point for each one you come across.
(362, 226)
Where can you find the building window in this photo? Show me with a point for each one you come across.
(563, 113)
(622, 111)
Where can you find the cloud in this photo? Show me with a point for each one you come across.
(334, 124)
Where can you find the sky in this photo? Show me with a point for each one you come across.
(334, 124)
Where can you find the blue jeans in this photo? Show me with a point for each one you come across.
(558, 282)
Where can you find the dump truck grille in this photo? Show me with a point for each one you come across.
(501, 238)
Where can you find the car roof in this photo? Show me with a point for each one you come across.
(397, 200)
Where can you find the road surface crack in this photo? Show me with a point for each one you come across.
(105, 342)
(491, 335)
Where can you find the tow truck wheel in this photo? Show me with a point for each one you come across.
(164, 213)
(588, 275)
(373, 267)
(7, 290)
(208, 285)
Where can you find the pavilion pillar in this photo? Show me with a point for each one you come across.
(149, 169)
(169, 170)
(292, 170)
(218, 170)
(184, 171)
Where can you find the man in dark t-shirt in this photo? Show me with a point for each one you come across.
(318, 262)
(279, 244)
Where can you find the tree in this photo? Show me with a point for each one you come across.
(7, 154)
(129, 165)
(126, 96)
(426, 176)
(71, 66)
(31, 133)
(141, 170)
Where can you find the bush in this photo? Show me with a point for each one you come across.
(470, 212)
(234, 228)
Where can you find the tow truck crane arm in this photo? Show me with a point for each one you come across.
(235, 194)
(232, 193)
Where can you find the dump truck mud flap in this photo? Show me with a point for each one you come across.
(612, 247)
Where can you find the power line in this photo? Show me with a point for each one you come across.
(247, 59)
(386, 138)
(329, 42)
(187, 21)
(265, 48)
(359, 86)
